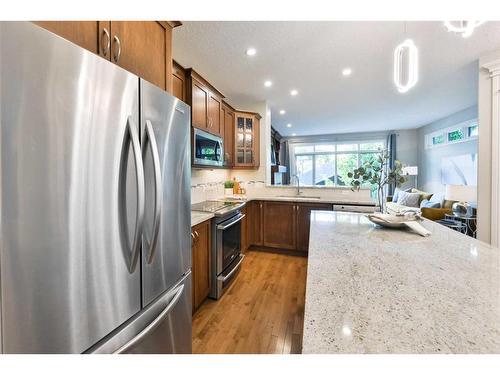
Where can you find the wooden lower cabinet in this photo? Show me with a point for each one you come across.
(201, 248)
(279, 224)
(254, 223)
(303, 222)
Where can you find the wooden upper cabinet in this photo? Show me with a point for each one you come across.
(199, 105)
(214, 114)
(303, 219)
(206, 104)
(247, 140)
(82, 33)
(279, 224)
(141, 47)
(178, 81)
(201, 246)
(228, 117)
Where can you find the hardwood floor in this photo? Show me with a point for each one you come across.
(262, 312)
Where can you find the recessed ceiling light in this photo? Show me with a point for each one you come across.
(251, 51)
(282, 112)
(346, 72)
(294, 134)
(294, 92)
(268, 83)
(288, 125)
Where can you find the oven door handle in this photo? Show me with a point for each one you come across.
(222, 227)
(224, 278)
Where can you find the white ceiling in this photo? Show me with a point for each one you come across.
(309, 56)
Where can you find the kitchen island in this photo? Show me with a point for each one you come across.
(376, 290)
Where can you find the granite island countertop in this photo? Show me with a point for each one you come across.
(376, 290)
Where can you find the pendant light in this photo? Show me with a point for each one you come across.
(466, 28)
(405, 65)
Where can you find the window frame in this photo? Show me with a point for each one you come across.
(463, 126)
(358, 152)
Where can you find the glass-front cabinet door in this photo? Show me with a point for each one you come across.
(247, 139)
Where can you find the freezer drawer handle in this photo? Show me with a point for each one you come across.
(238, 218)
(151, 244)
(155, 323)
(132, 136)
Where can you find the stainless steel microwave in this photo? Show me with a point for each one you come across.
(208, 149)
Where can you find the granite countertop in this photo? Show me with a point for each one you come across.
(304, 199)
(376, 290)
(198, 217)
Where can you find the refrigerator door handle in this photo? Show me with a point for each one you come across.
(132, 136)
(155, 323)
(150, 135)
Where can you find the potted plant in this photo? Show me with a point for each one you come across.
(228, 187)
(376, 173)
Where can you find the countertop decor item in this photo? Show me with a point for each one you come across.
(399, 221)
(375, 172)
(228, 187)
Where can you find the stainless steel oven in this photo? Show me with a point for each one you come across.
(227, 245)
(208, 149)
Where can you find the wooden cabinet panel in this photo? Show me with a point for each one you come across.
(228, 117)
(214, 114)
(244, 230)
(279, 225)
(303, 220)
(254, 223)
(82, 33)
(201, 247)
(199, 110)
(178, 82)
(140, 47)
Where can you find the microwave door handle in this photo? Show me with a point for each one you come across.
(223, 227)
(132, 137)
(155, 323)
(150, 137)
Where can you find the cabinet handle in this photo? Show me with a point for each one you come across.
(196, 234)
(107, 45)
(192, 235)
(118, 53)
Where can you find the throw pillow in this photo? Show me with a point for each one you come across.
(429, 204)
(395, 196)
(423, 194)
(437, 198)
(408, 199)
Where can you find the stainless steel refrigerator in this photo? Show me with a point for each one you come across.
(95, 251)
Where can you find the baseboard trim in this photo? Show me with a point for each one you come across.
(265, 249)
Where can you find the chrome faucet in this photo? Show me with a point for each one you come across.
(298, 183)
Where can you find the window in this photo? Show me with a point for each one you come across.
(455, 135)
(328, 164)
(438, 139)
(473, 131)
(463, 132)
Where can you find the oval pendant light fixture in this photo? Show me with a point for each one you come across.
(405, 66)
(466, 28)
